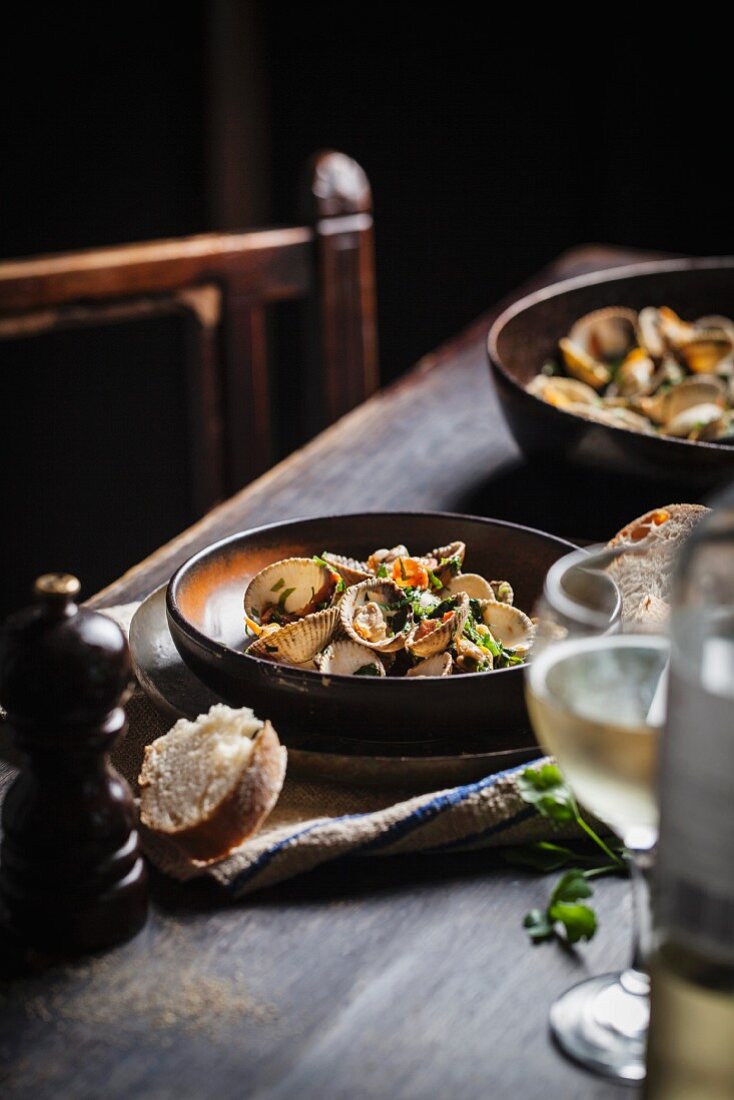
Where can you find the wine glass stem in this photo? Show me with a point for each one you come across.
(635, 979)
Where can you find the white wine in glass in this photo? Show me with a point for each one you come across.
(593, 694)
(589, 701)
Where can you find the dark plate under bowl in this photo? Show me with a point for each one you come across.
(527, 334)
(205, 616)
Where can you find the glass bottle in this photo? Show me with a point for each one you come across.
(691, 1042)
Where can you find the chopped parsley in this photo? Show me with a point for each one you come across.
(283, 597)
(278, 585)
(382, 570)
(453, 564)
(367, 670)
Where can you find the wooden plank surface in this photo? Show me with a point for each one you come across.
(408, 977)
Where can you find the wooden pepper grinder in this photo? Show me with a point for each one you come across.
(72, 878)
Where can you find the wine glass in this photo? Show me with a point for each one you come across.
(595, 691)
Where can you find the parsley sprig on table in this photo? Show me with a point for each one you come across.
(566, 915)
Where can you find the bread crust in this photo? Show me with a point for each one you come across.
(644, 579)
(683, 517)
(241, 813)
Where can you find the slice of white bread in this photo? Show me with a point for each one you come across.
(209, 784)
(644, 579)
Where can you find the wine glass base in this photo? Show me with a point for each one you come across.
(603, 1026)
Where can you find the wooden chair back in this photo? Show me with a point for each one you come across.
(223, 284)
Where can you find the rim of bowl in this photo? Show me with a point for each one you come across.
(205, 642)
(595, 278)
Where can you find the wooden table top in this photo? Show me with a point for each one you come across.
(408, 977)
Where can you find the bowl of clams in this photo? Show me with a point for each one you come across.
(387, 628)
(631, 369)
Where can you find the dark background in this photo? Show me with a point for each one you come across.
(488, 154)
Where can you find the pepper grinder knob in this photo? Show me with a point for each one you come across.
(72, 877)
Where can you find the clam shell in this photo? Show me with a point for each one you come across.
(441, 664)
(704, 389)
(636, 373)
(305, 576)
(441, 553)
(615, 417)
(345, 658)
(605, 333)
(703, 353)
(299, 642)
(385, 557)
(502, 591)
(673, 330)
(441, 637)
(562, 392)
(707, 421)
(476, 587)
(649, 336)
(349, 569)
(583, 366)
(509, 625)
(372, 591)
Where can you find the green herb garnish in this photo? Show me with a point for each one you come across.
(278, 585)
(382, 570)
(563, 908)
(445, 605)
(434, 581)
(283, 597)
(367, 670)
(546, 789)
(454, 564)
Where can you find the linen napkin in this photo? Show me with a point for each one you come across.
(315, 822)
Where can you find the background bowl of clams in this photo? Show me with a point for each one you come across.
(461, 713)
(526, 337)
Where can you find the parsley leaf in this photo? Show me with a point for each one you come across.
(547, 790)
(382, 570)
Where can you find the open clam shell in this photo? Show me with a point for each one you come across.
(636, 374)
(441, 664)
(349, 569)
(433, 636)
(375, 614)
(508, 624)
(583, 366)
(562, 392)
(649, 335)
(704, 421)
(343, 657)
(446, 561)
(299, 642)
(706, 350)
(293, 586)
(503, 591)
(475, 586)
(615, 417)
(385, 557)
(606, 333)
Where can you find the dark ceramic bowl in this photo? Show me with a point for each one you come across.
(465, 713)
(527, 334)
